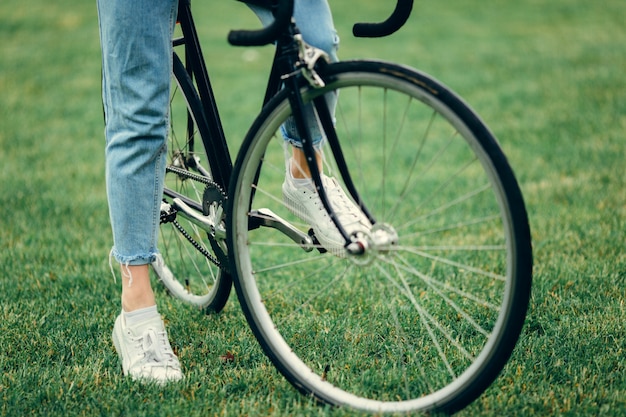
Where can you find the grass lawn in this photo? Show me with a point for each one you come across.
(546, 75)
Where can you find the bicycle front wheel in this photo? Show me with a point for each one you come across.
(424, 324)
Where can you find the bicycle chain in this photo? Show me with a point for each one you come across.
(170, 217)
(196, 245)
(190, 175)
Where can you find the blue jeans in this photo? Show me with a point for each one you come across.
(135, 37)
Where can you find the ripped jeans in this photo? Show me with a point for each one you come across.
(135, 38)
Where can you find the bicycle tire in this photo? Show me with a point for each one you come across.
(192, 263)
(426, 325)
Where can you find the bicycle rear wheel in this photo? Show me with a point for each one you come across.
(426, 324)
(192, 263)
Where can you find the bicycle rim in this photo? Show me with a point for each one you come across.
(425, 324)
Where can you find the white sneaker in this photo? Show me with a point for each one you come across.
(145, 351)
(305, 203)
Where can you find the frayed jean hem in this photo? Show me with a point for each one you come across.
(132, 260)
(318, 141)
(127, 261)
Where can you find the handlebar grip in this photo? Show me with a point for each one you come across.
(377, 30)
(267, 35)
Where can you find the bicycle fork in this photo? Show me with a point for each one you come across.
(305, 65)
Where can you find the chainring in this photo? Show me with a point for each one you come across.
(214, 207)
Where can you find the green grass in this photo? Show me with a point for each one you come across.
(547, 76)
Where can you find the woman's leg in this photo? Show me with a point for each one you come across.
(136, 66)
(315, 21)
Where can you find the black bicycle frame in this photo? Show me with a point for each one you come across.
(285, 60)
(210, 126)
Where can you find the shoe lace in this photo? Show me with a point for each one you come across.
(155, 348)
(343, 207)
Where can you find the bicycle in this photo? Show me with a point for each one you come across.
(424, 319)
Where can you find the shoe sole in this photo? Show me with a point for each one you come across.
(118, 345)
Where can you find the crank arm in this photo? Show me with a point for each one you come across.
(266, 217)
(196, 218)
